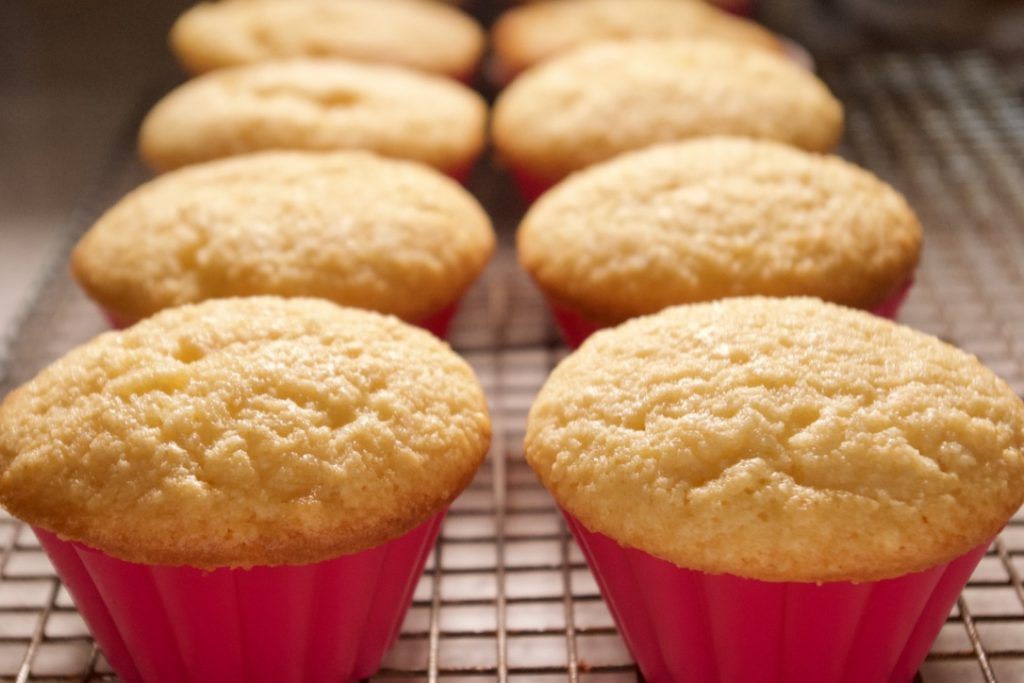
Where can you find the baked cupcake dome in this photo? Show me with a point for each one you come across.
(780, 440)
(316, 105)
(601, 100)
(528, 34)
(418, 34)
(243, 432)
(352, 227)
(718, 217)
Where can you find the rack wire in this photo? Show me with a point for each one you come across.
(507, 595)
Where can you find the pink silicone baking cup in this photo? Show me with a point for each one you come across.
(437, 324)
(575, 328)
(328, 621)
(683, 625)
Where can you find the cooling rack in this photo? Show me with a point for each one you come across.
(506, 595)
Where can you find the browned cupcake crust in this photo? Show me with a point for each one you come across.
(780, 440)
(316, 105)
(352, 227)
(242, 432)
(718, 217)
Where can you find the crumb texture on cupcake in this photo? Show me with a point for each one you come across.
(718, 217)
(597, 101)
(419, 34)
(316, 105)
(361, 230)
(528, 34)
(780, 440)
(244, 432)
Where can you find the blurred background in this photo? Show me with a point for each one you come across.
(70, 73)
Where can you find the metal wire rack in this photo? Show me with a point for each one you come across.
(507, 595)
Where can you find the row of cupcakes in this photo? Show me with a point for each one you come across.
(254, 481)
(310, 161)
(711, 459)
(309, 76)
(426, 36)
(776, 490)
(694, 221)
(681, 223)
(689, 222)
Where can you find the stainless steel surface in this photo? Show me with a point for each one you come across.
(507, 595)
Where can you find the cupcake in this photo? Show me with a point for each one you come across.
(317, 105)
(244, 489)
(529, 34)
(601, 100)
(778, 490)
(360, 230)
(419, 34)
(713, 218)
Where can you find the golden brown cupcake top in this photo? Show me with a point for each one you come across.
(242, 432)
(361, 230)
(419, 34)
(316, 105)
(780, 440)
(718, 217)
(601, 100)
(529, 34)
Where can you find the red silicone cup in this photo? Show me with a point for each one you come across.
(328, 621)
(437, 324)
(684, 625)
(575, 328)
(530, 186)
(462, 174)
(741, 8)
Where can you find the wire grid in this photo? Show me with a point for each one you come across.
(506, 595)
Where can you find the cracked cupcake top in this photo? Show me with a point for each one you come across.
(243, 432)
(419, 34)
(316, 105)
(717, 217)
(780, 440)
(386, 235)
